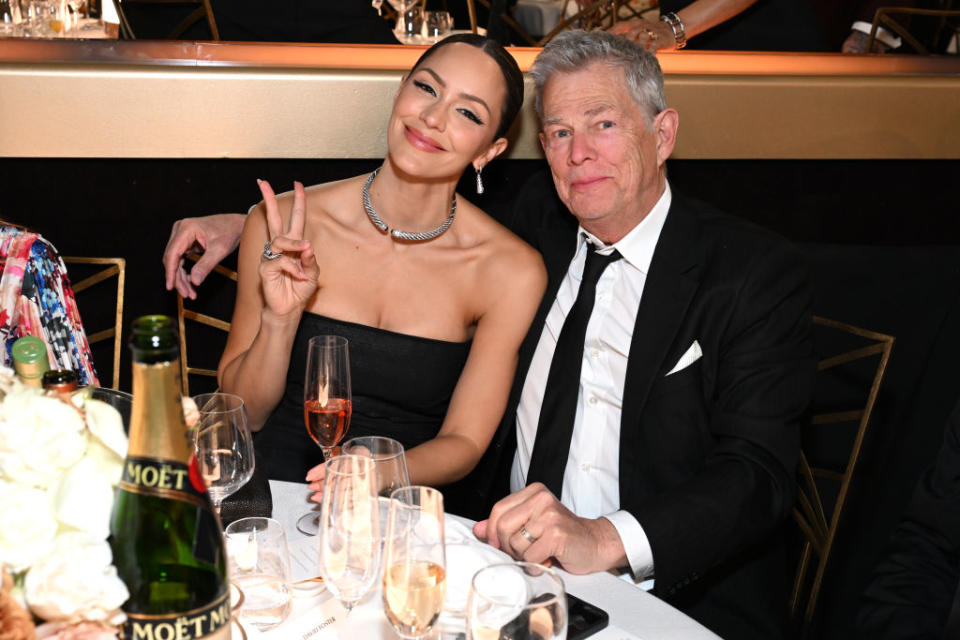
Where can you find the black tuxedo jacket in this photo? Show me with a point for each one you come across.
(707, 454)
(915, 590)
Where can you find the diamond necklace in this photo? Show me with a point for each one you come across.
(397, 233)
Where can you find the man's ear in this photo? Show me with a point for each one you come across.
(665, 127)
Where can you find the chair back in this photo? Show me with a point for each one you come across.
(203, 10)
(848, 383)
(596, 14)
(203, 331)
(101, 307)
(896, 19)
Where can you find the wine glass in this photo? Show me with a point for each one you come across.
(516, 600)
(405, 31)
(414, 574)
(349, 536)
(439, 24)
(259, 562)
(390, 464)
(224, 445)
(10, 18)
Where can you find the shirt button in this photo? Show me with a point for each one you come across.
(593, 400)
(585, 467)
(594, 353)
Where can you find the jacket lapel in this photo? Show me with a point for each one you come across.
(671, 283)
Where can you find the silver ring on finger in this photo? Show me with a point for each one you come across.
(269, 253)
(526, 534)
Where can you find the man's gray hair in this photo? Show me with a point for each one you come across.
(573, 50)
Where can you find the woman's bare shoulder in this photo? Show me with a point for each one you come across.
(506, 255)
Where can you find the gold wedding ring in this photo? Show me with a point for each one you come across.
(526, 534)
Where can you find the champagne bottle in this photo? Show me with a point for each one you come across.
(167, 544)
(30, 360)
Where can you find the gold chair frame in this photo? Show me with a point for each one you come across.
(883, 18)
(203, 10)
(184, 314)
(819, 529)
(116, 267)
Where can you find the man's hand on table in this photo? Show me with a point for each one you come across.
(215, 236)
(578, 545)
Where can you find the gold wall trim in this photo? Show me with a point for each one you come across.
(252, 100)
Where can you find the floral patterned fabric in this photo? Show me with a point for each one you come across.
(36, 299)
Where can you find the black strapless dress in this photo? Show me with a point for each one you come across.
(402, 386)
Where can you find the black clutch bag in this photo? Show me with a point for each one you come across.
(252, 499)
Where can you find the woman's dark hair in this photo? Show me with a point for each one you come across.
(512, 77)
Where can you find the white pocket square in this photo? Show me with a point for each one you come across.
(692, 355)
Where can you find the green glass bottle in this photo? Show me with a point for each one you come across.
(167, 544)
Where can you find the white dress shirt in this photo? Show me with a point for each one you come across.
(591, 487)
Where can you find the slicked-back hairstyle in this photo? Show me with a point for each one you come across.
(512, 76)
(573, 50)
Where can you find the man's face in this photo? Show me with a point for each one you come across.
(607, 164)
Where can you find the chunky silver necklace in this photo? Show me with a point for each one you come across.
(397, 233)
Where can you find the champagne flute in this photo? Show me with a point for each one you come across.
(516, 600)
(349, 533)
(327, 405)
(414, 576)
(224, 445)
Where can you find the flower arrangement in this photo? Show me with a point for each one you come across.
(60, 460)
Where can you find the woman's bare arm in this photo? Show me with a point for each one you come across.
(271, 296)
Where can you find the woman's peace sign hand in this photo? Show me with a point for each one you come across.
(289, 279)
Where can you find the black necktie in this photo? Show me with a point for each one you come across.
(559, 408)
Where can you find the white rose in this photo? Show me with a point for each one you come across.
(83, 497)
(106, 424)
(39, 437)
(76, 581)
(28, 526)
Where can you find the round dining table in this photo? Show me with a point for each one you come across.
(633, 612)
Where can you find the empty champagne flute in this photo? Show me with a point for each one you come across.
(259, 563)
(224, 445)
(516, 600)
(349, 536)
(327, 401)
(414, 574)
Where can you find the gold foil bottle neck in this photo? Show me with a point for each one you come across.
(157, 427)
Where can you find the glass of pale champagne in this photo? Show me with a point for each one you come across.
(516, 600)
(349, 536)
(414, 572)
(259, 564)
(224, 445)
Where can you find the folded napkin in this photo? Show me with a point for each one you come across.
(465, 556)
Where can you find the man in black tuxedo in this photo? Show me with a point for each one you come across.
(915, 590)
(659, 391)
(670, 433)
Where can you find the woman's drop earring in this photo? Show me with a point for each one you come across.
(479, 181)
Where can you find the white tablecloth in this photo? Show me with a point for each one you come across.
(633, 613)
